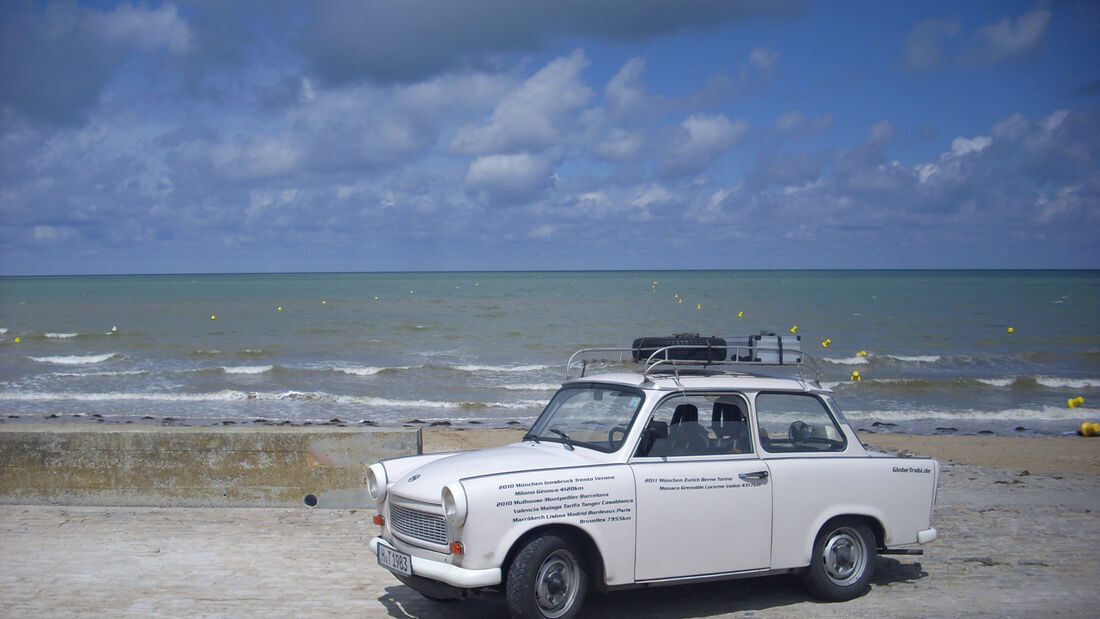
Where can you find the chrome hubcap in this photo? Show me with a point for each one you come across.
(557, 583)
(845, 556)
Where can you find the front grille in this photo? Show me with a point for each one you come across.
(418, 525)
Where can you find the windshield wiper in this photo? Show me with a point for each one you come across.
(531, 436)
(568, 441)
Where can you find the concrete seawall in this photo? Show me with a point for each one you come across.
(194, 467)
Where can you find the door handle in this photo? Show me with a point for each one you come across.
(757, 476)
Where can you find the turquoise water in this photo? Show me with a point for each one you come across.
(490, 348)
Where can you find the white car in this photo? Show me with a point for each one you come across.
(679, 469)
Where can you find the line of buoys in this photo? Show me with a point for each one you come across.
(856, 377)
(1089, 429)
(826, 343)
(1075, 402)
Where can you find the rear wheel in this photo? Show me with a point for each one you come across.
(843, 562)
(546, 579)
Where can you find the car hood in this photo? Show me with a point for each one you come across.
(426, 482)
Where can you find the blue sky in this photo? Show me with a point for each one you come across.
(547, 134)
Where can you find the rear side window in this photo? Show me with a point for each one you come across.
(796, 422)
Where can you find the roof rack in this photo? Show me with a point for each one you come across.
(690, 353)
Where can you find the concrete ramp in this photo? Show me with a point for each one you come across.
(155, 466)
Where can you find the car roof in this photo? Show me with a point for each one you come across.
(703, 381)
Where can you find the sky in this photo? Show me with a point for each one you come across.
(365, 135)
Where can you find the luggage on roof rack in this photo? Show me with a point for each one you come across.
(681, 347)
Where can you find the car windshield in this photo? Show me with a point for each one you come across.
(591, 416)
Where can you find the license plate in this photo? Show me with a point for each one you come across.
(394, 560)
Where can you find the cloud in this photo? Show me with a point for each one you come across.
(1012, 38)
(698, 141)
(534, 116)
(55, 62)
(941, 42)
(508, 180)
(409, 41)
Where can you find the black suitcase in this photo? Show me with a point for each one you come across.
(703, 348)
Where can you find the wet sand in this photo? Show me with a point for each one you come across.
(1018, 527)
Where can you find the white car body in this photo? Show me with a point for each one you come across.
(641, 518)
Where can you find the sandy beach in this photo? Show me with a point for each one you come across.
(1018, 522)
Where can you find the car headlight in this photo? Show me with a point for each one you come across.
(454, 503)
(376, 482)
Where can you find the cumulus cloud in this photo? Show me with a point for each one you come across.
(534, 115)
(938, 42)
(508, 180)
(55, 60)
(698, 141)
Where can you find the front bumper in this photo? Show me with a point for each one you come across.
(443, 572)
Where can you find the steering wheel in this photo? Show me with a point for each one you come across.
(611, 442)
(799, 432)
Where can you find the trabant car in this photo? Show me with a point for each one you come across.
(595, 495)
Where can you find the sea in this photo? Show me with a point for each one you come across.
(937, 352)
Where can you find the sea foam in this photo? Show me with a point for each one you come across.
(75, 359)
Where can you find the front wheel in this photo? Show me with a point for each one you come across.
(546, 579)
(843, 562)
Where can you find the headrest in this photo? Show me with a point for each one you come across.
(685, 413)
(726, 412)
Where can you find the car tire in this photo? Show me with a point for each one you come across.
(844, 559)
(547, 579)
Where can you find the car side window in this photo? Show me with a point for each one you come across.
(796, 422)
(698, 425)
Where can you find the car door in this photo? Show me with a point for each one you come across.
(704, 500)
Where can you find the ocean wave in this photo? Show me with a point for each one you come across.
(247, 369)
(502, 368)
(915, 358)
(93, 374)
(1068, 383)
(847, 361)
(60, 336)
(3, 330)
(1006, 382)
(58, 396)
(531, 387)
(370, 370)
(231, 395)
(1046, 413)
(75, 359)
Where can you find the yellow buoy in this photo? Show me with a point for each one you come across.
(862, 353)
(1090, 429)
(794, 329)
(1011, 330)
(700, 306)
(324, 302)
(1075, 402)
(375, 298)
(280, 308)
(740, 314)
(856, 377)
(212, 317)
(679, 300)
(18, 339)
(826, 343)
